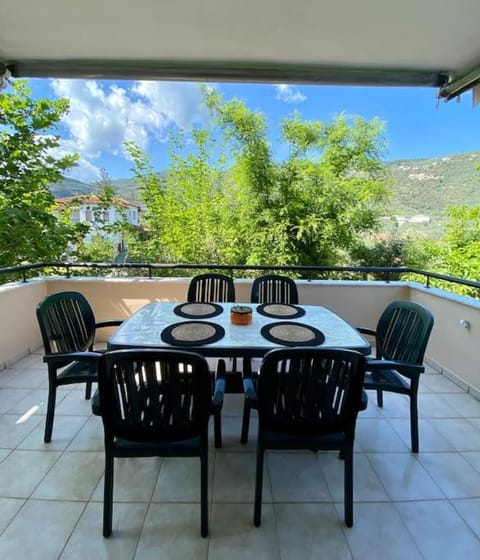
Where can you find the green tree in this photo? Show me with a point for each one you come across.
(310, 208)
(248, 208)
(30, 230)
(459, 249)
(185, 208)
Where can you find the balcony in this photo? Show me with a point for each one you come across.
(417, 506)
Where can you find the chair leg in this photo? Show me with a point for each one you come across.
(245, 421)
(52, 395)
(379, 398)
(88, 390)
(348, 486)
(204, 489)
(414, 422)
(108, 494)
(217, 429)
(257, 511)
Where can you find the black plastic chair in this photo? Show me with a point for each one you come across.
(265, 289)
(68, 328)
(274, 289)
(401, 337)
(216, 288)
(213, 288)
(156, 403)
(308, 399)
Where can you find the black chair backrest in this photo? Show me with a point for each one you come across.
(310, 391)
(403, 331)
(274, 289)
(67, 323)
(211, 288)
(154, 395)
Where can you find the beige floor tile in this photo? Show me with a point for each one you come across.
(87, 541)
(394, 406)
(470, 512)
(439, 531)
(134, 479)
(231, 428)
(310, 531)
(34, 360)
(35, 402)
(234, 478)
(73, 477)
(4, 453)
(65, 428)
(429, 438)
(376, 435)
(440, 384)
(40, 530)
(233, 404)
(179, 480)
(378, 532)
(296, 477)
(435, 406)
(234, 536)
(9, 508)
(404, 477)
(22, 471)
(75, 403)
(10, 397)
(90, 437)
(473, 457)
(366, 484)
(459, 432)
(396, 492)
(453, 474)
(33, 378)
(172, 531)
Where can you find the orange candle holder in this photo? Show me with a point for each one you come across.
(241, 315)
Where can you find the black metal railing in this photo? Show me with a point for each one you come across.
(151, 270)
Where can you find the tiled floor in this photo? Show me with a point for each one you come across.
(424, 506)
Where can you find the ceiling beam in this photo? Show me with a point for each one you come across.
(227, 71)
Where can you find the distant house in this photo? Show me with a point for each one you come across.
(92, 210)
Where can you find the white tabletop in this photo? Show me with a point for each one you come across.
(143, 330)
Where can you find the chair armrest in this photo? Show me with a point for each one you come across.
(111, 323)
(367, 330)
(67, 357)
(249, 389)
(405, 368)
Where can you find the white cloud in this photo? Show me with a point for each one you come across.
(85, 170)
(103, 116)
(289, 94)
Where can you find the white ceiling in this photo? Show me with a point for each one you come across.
(382, 41)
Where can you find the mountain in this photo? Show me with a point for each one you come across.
(429, 186)
(421, 187)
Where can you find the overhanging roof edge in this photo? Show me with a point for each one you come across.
(227, 71)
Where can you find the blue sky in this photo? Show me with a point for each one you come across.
(104, 114)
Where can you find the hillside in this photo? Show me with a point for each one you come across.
(421, 186)
(429, 186)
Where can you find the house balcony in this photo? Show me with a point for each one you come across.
(424, 505)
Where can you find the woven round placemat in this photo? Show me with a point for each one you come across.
(192, 333)
(198, 310)
(288, 333)
(280, 310)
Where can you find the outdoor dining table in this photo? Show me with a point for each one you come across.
(207, 328)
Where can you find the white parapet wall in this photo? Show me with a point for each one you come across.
(452, 350)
